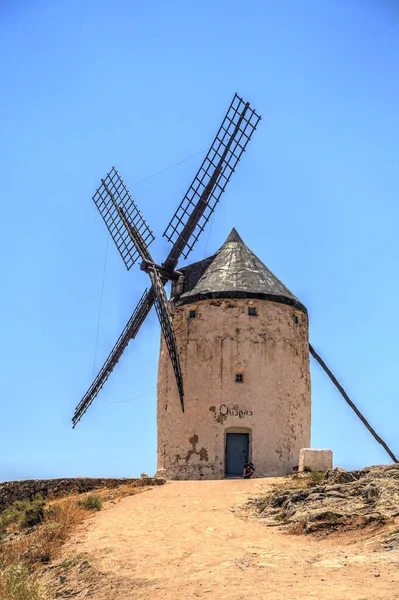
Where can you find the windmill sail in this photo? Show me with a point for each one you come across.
(211, 179)
(165, 319)
(129, 332)
(120, 213)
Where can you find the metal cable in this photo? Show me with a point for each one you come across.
(168, 168)
(131, 399)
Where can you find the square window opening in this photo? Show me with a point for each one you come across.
(252, 312)
(192, 314)
(239, 378)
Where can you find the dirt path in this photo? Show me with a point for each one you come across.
(183, 541)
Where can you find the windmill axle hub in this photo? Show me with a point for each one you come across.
(164, 272)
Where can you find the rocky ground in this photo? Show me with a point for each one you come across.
(336, 500)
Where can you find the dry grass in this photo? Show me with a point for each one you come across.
(24, 550)
(122, 491)
(27, 549)
(39, 545)
(42, 544)
(16, 583)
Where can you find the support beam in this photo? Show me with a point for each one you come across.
(349, 401)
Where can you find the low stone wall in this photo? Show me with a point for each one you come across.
(10, 491)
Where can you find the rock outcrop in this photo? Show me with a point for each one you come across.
(342, 498)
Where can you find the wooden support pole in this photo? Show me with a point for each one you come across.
(349, 401)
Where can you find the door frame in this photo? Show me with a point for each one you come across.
(247, 430)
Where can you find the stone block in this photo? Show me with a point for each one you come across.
(315, 460)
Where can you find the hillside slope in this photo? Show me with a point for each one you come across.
(186, 540)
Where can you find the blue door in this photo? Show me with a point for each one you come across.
(237, 453)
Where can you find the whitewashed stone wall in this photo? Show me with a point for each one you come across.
(271, 350)
(315, 459)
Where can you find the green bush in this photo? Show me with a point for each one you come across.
(33, 516)
(317, 476)
(13, 514)
(91, 502)
(23, 513)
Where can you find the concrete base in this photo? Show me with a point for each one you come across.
(312, 459)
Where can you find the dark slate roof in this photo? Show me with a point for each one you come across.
(235, 272)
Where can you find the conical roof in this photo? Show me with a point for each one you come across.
(236, 272)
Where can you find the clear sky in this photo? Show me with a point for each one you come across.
(143, 86)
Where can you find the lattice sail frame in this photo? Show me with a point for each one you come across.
(165, 319)
(215, 172)
(111, 196)
(129, 332)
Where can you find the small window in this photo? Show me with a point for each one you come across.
(252, 311)
(192, 314)
(296, 319)
(239, 378)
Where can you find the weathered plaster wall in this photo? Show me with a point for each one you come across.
(315, 459)
(10, 491)
(271, 350)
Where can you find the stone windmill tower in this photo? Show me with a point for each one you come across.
(244, 349)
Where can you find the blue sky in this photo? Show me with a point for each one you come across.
(143, 86)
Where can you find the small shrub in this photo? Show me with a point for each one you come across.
(32, 516)
(12, 515)
(20, 505)
(23, 513)
(317, 476)
(91, 502)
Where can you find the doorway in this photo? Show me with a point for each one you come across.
(237, 453)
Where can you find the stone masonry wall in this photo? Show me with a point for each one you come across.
(10, 491)
(272, 405)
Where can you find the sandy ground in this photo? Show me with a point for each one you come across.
(184, 540)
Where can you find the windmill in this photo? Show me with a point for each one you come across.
(132, 236)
